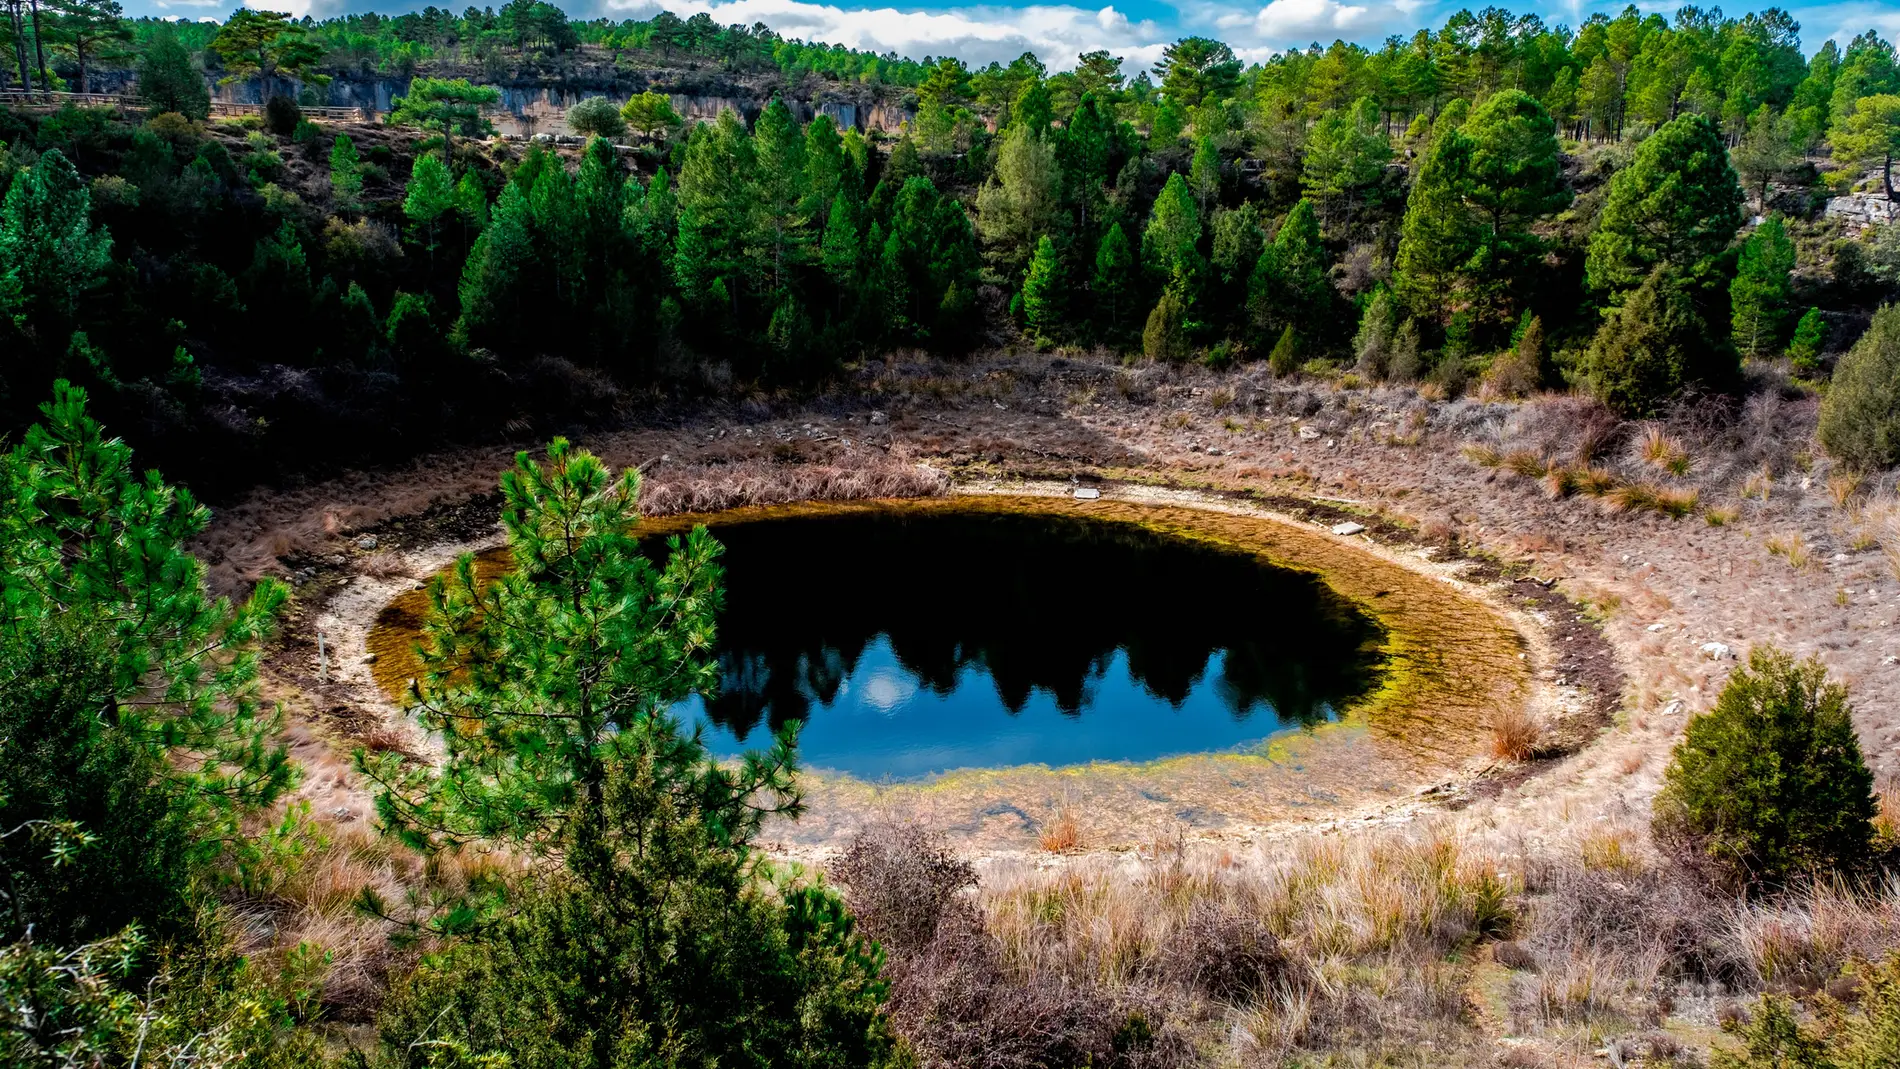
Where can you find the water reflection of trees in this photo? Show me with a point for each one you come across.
(1034, 603)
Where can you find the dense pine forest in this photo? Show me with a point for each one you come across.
(1617, 194)
(1635, 216)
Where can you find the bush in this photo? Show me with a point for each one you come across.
(1770, 783)
(1653, 348)
(281, 115)
(657, 945)
(1860, 416)
(597, 117)
(1165, 336)
(1773, 1037)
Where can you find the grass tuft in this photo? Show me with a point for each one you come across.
(1515, 734)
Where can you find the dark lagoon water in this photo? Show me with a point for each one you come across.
(915, 642)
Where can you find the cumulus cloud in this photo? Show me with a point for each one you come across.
(1301, 19)
(1057, 33)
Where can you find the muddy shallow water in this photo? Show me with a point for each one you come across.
(1418, 667)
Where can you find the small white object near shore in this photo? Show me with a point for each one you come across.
(1087, 493)
(1348, 528)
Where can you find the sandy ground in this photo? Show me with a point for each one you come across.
(1661, 589)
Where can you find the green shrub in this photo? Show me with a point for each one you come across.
(657, 945)
(1860, 416)
(281, 115)
(1804, 349)
(128, 698)
(1770, 783)
(1285, 358)
(597, 117)
(1653, 348)
(121, 1001)
(1773, 1037)
(1165, 336)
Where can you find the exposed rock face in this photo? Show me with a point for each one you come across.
(1858, 211)
(528, 108)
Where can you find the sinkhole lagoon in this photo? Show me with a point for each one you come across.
(917, 642)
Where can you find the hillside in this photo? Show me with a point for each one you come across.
(735, 551)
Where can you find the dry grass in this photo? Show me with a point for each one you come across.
(1882, 517)
(1761, 484)
(1791, 547)
(1515, 733)
(1661, 451)
(1842, 486)
(1061, 834)
(1526, 462)
(1647, 497)
(714, 488)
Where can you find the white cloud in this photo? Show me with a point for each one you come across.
(1057, 33)
(1303, 19)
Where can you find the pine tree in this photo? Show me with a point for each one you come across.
(720, 217)
(551, 687)
(51, 255)
(346, 173)
(1805, 347)
(1438, 239)
(1170, 244)
(1758, 297)
(1204, 174)
(471, 203)
(1114, 275)
(492, 289)
(616, 640)
(1378, 329)
(1346, 154)
(131, 694)
(1023, 201)
(1288, 286)
(429, 195)
(841, 248)
(1677, 204)
(169, 80)
(1043, 290)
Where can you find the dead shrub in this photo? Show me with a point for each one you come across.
(1626, 919)
(1513, 955)
(1222, 952)
(898, 880)
(382, 564)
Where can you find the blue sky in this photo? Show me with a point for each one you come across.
(1134, 29)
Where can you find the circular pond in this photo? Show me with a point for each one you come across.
(913, 642)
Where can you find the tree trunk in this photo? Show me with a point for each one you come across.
(19, 44)
(39, 48)
(1886, 175)
(79, 54)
